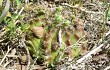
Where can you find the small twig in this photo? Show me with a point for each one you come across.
(2, 51)
(89, 54)
(5, 11)
(14, 56)
(34, 62)
(2, 32)
(60, 41)
(99, 21)
(107, 68)
(28, 54)
(81, 9)
(93, 51)
(21, 10)
(108, 33)
(5, 56)
(60, 44)
(7, 63)
(60, 38)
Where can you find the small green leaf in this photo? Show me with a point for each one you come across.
(58, 18)
(18, 3)
(59, 9)
(67, 22)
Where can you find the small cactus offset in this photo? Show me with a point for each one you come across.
(54, 35)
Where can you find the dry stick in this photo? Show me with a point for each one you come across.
(7, 63)
(21, 10)
(84, 10)
(60, 43)
(23, 40)
(1, 36)
(5, 56)
(2, 32)
(5, 11)
(19, 13)
(60, 38)
(34, 62)
(89, 54)
(95, 50)
(99, 21)
(2, 51)
(81, 9)
(107, 68)
(15, 56)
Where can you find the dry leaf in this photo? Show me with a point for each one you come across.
(38, 31)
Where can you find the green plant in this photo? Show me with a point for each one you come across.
(59, 18)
